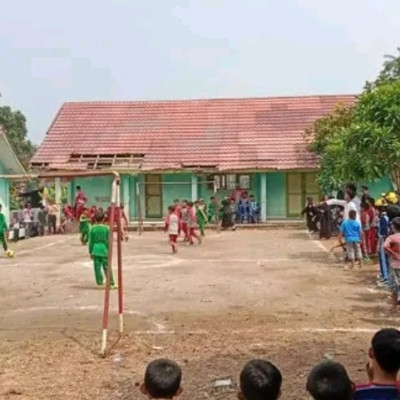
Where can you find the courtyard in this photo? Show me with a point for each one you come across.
(275, 294)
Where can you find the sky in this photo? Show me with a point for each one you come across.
(80, 50)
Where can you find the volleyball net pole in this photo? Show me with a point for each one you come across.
(119, 260)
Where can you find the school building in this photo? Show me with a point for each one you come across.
(9, 167)
(190, 149)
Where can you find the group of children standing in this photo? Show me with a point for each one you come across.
(186, 218)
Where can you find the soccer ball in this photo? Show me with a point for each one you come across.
(9, 253)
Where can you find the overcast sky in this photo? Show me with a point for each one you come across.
(56, 51)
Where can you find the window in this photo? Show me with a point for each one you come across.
(229, 182)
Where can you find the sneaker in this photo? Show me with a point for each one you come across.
(101, 286)
(113, 287)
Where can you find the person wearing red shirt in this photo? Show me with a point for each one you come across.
(80, 201)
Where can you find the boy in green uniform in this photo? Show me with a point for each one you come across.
(84, 227)
(201, 215)
(98, 249)
(3, 230)
(212, 209)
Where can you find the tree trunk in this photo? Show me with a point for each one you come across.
(395, 178)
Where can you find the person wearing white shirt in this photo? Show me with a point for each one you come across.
(348, 203)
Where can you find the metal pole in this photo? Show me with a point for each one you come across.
(140, 216)
(109, 266)
(119, 253)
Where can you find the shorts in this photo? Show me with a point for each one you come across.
(173, 238)
(353, 251)
(394, 280)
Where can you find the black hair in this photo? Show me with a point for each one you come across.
(386, 348)
(78, 188)
(252, 195)
(171, 208)
(190, 203)
(352, 214)
(351, 193)
(329, 381)
(351, 186)
(212, 198)
(99, 216)
(364, 187)
(162, 379)
(396, 223)
(260, 380)
(176, 201)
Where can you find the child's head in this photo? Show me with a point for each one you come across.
(190, 204)
(251, 197)
(171, 209)
(353, 214)
(396, 224)
(176, 202)
(260, 380)
(184, 203)
(385, 351)
(310, 200)
(99, 216)
(212, 198)
(232, 201)
(162, 380)
(329, 381)
(349, 195)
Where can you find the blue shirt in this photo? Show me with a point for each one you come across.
(351, 230)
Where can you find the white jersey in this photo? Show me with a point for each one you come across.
(348, 206)
(173, 224)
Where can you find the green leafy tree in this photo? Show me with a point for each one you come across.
(362, 142)
(326, 141)
(14, 126)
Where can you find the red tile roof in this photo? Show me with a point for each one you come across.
(230, 134)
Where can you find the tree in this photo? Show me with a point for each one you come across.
(362, 142)
(14, 126)
(327, 143)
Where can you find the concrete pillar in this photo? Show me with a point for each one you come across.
(58, 193)
(126, 192)
(263, 197)
(194, 188)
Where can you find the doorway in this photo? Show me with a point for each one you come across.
(299, 186)
(153, 194)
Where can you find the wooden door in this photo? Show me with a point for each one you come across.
(311, 187)
(295, 195)
(153, 190)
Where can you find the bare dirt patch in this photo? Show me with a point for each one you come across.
(273, 294)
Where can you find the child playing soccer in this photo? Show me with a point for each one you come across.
(351, 233)
(172, 226)
(84, 226)
(392, 248)
(260, 380)
(185, 219)
(98, 250)
(201, 216)
(162, 380)
(192, 224)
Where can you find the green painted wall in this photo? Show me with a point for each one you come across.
(5, 194)
(181, 191)
(276, 195)
(377, 188)
(97, 190)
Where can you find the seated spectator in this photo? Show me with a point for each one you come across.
(382, 367)
(255, 210)
(260, 380)
(244, 208)
(329, 381)
(162, 380)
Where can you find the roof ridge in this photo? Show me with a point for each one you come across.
(294, 97)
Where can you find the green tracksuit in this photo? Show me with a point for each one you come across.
(84, 228)
(98, 249)
(201, 219)
(3, 231)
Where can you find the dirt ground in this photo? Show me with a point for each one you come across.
(272, 294)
